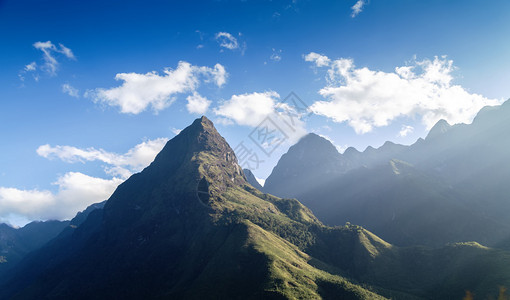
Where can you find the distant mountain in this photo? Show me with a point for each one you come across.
(190, 226)
(318, 160)
(314, 160)
(252, 180)
(15, 243)
(450, 187)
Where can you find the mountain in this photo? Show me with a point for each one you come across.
(15, 243)
(251, 179)
(450, 187)
(187, 226)
(190, 226)
(314, 160)
(318, 159)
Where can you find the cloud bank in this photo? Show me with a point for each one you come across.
(367, 98)
(138, 92)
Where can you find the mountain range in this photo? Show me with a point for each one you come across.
(191, 226)
(451, 186)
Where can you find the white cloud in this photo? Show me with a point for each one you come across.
(276, 56)
(358, 7)
(31, 67)
(226, 40)
(197, 104)
(122, 165)
(176, 131)
(248, 109)
(254, 109)
(219, 74)
(139, 91)
(75, 192)
(366, 98)
(66, 51)
(49, 50)
(70, 90)
(318, 59)
(406, 129)
(261, 181)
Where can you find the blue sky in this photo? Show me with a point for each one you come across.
(368, 71)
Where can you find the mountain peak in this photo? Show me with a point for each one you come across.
(201, 144)
(438, 129)
(315, 142)
(302, 164)
(197, 164)
(204, 122)
(200, 136)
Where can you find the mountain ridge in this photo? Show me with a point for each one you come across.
(465, 165)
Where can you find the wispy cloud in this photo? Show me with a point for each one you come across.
(357, 8)
(31, 67)
(122, 165)
(70, 90)
(228, 41)
(49, 50)
(50, 61)
(276, 55)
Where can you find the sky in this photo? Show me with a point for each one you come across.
(90, 91)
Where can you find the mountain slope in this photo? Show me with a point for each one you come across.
(16, 243)
(252, 180)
